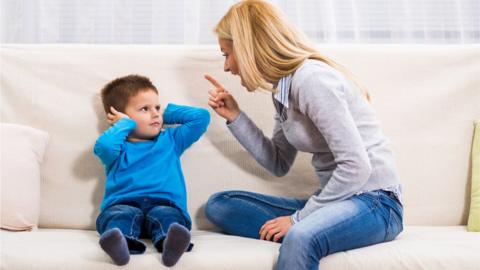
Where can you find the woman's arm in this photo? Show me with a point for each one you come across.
(276, 154)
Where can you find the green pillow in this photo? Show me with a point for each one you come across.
(474, 216)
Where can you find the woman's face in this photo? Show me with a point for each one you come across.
(230, 65)
(226, 46)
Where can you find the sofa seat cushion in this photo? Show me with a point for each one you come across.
(79, 249)
(416, 248)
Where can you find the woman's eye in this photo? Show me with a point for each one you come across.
(144, 109)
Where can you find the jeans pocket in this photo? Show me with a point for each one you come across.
(372, 198)
(395, 225)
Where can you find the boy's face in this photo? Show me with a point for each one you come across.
(144, 109)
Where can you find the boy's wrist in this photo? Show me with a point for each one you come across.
(125, 121)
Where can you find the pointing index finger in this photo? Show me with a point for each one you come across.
(213, 81)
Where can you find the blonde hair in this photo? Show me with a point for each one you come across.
(266, 46)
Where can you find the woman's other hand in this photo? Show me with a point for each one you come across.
(221, 101)
(275, 229)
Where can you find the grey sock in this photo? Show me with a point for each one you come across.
(115, 245)
(175, 244)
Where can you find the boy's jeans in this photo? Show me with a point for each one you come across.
(365, 219)
(141, 218)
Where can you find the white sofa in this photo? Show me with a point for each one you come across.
(426, 97)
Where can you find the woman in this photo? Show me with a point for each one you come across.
(320, 110)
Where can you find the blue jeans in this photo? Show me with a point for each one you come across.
(141, 218)
(362, 220)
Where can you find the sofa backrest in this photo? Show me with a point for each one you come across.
(426, 98)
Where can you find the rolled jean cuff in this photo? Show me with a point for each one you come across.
(135, 246)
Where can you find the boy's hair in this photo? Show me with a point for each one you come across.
(117, 92)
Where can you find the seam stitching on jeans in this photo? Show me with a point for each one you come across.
(256, 206)
(240, 194)
(151, 218)
(134, 222)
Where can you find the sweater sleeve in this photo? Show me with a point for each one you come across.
(322, 97)
(193, 123)
(110, 144)
(275, 154)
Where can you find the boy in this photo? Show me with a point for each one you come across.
(145, 194)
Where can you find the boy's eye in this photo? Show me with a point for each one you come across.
(144, 109)
(157, 108)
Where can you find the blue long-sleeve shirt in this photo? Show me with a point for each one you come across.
(150, 169)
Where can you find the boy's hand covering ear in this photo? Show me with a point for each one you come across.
(115, 115)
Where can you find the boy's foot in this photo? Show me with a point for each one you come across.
(175, 244)
(115, 245)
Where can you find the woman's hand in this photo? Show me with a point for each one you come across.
(115, 115)
(221, 101)
(275, 228)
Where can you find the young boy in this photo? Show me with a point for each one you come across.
(145, 193)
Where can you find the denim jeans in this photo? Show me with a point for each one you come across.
(141, 218)
(362, 220)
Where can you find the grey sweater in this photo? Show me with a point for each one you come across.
(328, 117)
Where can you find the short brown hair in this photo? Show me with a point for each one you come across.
(117, 92)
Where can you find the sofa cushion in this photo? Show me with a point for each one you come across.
(79, 249)
(416, 248)
(22, 153)
(474, 216)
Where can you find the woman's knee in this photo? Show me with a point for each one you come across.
(298, 238)
(298, 234)
(215, 204)
(299, 249)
